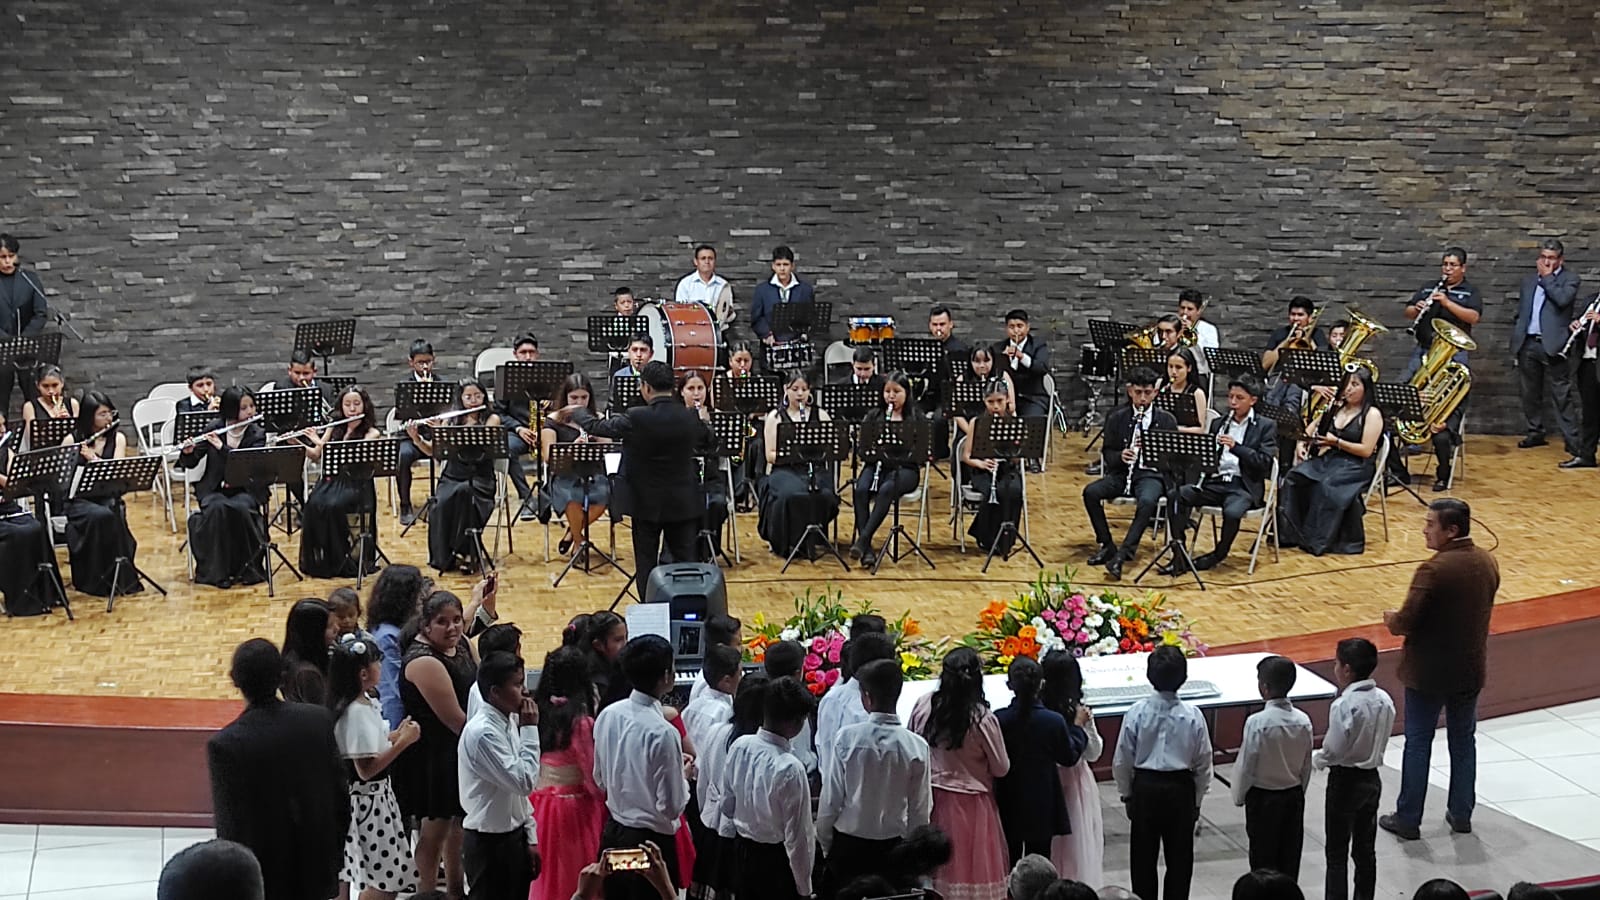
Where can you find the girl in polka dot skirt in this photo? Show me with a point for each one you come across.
(376, 854)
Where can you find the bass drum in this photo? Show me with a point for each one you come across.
(685, 335)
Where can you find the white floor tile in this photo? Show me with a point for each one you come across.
(17, 837)
(53, 837)
(1592, 845)
(1513, 721)
(199, 834)
(140, 891)
(1544, 740)
(1583, 709)
(1522, 780)
(15, 867)
(1570, 817)
(1583, 771)
(71, 868)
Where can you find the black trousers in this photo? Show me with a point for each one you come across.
(762, 871)
(852, 857)
(648, 537)
(496, 865)
(873, 507)
(1147, 490)
(629, 885)
(1544, 377)
(1018, 848)
(1589, 404)
(1162, 812)
(410, 453)
(1275, 823)
(1231, 495)
(1351, 822)
(23, 378)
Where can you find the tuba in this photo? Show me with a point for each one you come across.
(1361, 328)
(1442, 382)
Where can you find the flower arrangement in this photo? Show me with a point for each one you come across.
(1052, 614)
(821, 623)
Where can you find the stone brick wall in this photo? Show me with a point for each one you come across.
(191, 178)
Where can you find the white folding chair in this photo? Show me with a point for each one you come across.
(1376, 485)
(150, 417)
(502, 518)
(1266, 514)
(391, 423)
(838, 353)
(488, 360)
(170, 391)
(1055, 416)
(171, 472)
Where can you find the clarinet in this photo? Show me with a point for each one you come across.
(1423, 307)
(994, 483)
(1134, 444)
(877, 468)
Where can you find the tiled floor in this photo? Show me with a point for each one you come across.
(1542, 768)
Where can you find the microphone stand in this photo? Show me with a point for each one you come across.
(61, 318)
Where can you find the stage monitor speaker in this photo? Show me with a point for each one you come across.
(694, 592)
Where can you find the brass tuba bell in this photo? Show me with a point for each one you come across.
(1442, 382)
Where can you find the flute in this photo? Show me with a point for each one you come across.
(100, 434)
(306, 431)
(179, 448)
(439, 418)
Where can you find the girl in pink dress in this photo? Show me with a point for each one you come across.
(1080, 855)
(567, 805)
(967, 754)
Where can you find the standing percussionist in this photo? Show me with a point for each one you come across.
(1456, 301)
(783, 287)
(1127, 473)
(22, 313)
(1249, 445)
(704, 285)
(1544, 319)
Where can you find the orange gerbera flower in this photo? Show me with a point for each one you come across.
(1011, 646)
(992, 614)
(1028, 647)
(912, 629)
(1027, 632)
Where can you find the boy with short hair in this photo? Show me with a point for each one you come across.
(1162, 767)
(419, 359)
(768, 800)
(722, 670)
(842, 705)
(641, 349)
(876, 785)
(787, 659)
(723, 629)
(202, 391)
(1272, 772)
(1359, 723)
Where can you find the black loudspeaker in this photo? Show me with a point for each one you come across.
(695, 592)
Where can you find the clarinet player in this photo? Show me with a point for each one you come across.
(1126, 472)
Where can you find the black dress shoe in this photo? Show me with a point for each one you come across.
(1402, 830)
(1441, 483)
(868, 559)
(565, 545)
(1206, 561)
(855, 550)
(1457, 825)
(1103, 555)
(407, 516)
(1578, 462)
(1532, 441)
(1114, 568)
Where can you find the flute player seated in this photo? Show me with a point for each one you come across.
(1126, 471)
(228, 536)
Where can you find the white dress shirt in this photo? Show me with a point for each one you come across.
(1206, 336)
(699, 687)
(1227, 462)
(710, 764)
(1359, 723)
(839, 707)
(1276, 752)
(700, 716)
(638, 763)
(1163, 734)
(768, 799)
(876, 783)
(497, 767)
(784, 289)
(716, 294)
(804, 747)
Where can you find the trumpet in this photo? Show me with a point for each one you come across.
(1594, 306)
(401, 429)
(1422, 308)
(306, 431)
(216, 432)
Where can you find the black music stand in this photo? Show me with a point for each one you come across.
(339, 383)
(585, 462)
(1289, 421)
(801, 319)
(1182, 407)
(418, 400)
(49, 432)
(611, 333)
(190, 425)
(964, 398)
(851, 402)
(535, 380)
(897, 444)
(1150, 357)
(119, 476)
(283, 411)
(26, 353)
(730, 431)
(1009, 438)
(378, 458)
(472, 444)
(812, 444)
(326, 339)
(1399, 402)
(262, 467)
(625, 393)
(1176, 453)
(1228, 361)
(924, 360)
(35, 474)
(1308, 368)
(754, 395)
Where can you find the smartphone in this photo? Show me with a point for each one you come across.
(631, 860)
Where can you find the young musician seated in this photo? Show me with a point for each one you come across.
(419, 359)
(466, 488)
(1182, 375)
(981, 368)
(788, 505)
(741, 364)
(228, 536)
(879, 485)
(1126, 472)
(1027, 360)
(1191, 308)
(1169, 328)
(1249, 445)
(302, 373)
(641, 349)
(50, 397)
(568, 497)
(696, 395)
(864, 368)
(1336, 333)
(326, 544)
(1320, 508)
(97, 526)
(516, 414)
(24, 545)
(993, 479)
(783, 287)
(202, 391)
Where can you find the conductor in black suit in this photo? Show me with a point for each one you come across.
(658, 477)
(1127, 472)
(1249, 445)
(277, 783)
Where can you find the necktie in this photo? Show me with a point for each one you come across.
(783, 293)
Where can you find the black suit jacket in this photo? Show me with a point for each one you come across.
(1119, 431)
(1555, 317)
(659, 443)
(1032, 806)
(1029, 380)
(767, 298)
(278, 787)
(1255, 453)
(190, 404)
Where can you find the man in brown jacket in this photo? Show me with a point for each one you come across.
(1445, 621)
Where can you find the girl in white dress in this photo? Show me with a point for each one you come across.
(376, 853)
(1080, 855)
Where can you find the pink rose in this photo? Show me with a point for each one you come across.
(1076, 623)
(813, 661)
(1085, 637)
(818, 645)
(835, 642)
(830, 677)
(833, 655)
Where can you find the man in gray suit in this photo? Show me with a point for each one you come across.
(1544, 319)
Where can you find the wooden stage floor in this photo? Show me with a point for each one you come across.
(1539, 520)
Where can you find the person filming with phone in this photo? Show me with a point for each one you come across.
(497, 768)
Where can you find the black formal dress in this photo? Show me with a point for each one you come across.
(327, 546)
(787, 503)
(464, 501)
(424, 776)
(24, 547)
(658, 481)
(97, 535)
(228, 536)
(278, 787)
(991, 518)
(1320, 506)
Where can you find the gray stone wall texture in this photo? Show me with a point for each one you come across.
(192, 178)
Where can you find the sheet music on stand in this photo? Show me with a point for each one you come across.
(751, 395)
(625, 393)
(534, 380)
(327, 339)
(1182, 406)
(1110, 335)
(1309, 368)
(49, 432)
(850, 402)
(421, 399)
(1226, 360)
(814, 445)
(377, 458)
(189, 425)
(964, 398)
(42, 471)
(290, 409)
(1398, 401)
(1154, 358)
(1176, 453)
(611, 334)
(31, 350)
(1290, 424)
(119, 476)
(803, 319)
(1011, 439)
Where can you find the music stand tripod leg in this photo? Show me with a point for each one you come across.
(54, 587)
(1178, 551)
(891, 544)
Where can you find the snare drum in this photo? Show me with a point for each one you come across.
(685, 335)
(1097, 362)
(790, 355)
(871, 329)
